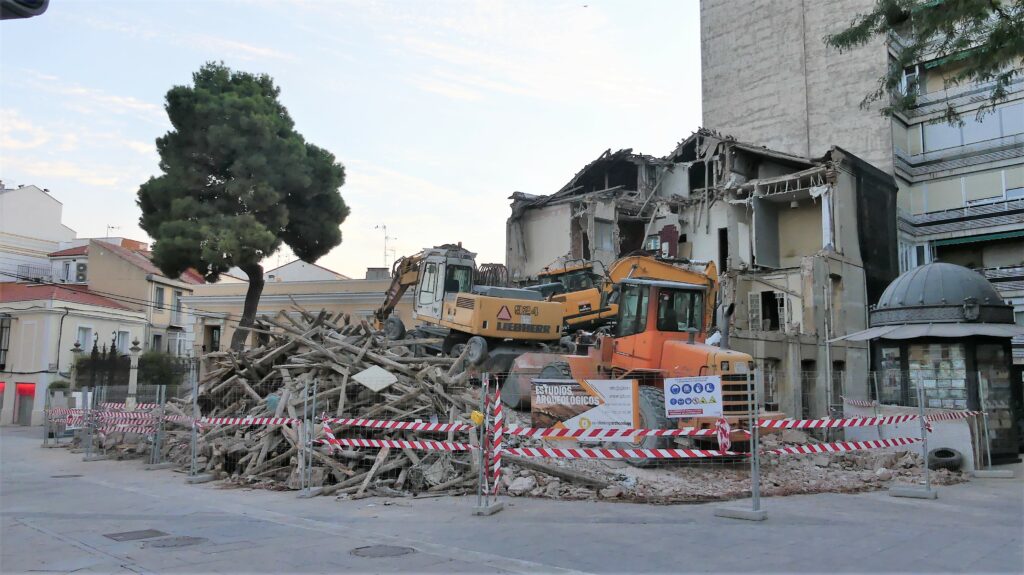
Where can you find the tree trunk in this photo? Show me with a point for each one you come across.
(252, 301)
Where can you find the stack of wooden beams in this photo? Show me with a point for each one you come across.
(348, 370)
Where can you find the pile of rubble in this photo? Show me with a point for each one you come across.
(675, 481)
(356, 373)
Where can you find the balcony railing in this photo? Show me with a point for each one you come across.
(957, 157)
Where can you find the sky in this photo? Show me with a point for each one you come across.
(439, 110)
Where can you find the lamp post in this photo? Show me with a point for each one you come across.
(133, 375)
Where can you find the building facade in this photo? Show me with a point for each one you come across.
(215, 309)
(797, 252)
(39, 327)
(768, 77)
(26, 241)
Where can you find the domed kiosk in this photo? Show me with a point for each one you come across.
(943, 327)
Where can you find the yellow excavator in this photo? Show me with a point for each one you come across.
(588, 298)
(495, 323)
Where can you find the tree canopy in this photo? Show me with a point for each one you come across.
(237, 182)
(985, 39)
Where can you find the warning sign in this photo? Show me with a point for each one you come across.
(584, 404)
(504, 314)
(693, 396)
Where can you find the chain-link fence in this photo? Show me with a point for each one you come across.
(109, 421)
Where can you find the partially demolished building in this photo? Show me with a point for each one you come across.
(802, 246)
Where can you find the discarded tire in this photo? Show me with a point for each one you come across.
(945, 458)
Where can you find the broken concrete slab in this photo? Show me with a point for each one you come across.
(375, 378)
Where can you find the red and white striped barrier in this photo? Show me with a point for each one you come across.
(137, 405)
(834, 423)
(248, 420)
(602, 433)
(860, 402)
(401, 444)
(65, 411)
(952, 415)
(497, 441)
(400, 425)
(594, 453)
(840, 446)
(143, 429)
(126, 416)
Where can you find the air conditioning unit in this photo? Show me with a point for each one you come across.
(81, 272)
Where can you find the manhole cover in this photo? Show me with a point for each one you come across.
(382, 551)
(135, 535)
(168, 542)
(64, 476)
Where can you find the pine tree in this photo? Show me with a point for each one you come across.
(237, 182)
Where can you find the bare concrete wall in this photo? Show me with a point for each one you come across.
(768, 78)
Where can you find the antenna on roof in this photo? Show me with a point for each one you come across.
(110, 227)
(386, 238)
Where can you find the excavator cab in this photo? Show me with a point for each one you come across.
(444, 272)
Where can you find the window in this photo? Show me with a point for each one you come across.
(604, 231)
(85, 340)
(679, 310)
(632, 310)
(723, 250)
(1012, 119)
(122, 342)
(940, 136)
(429, 283)
(920, 252)
(1019, 317)
(653, 243)
(5, 340)
(158, 342)
(159, 298)
(66, 273)
(767, 311)
(458, 279)
(215, 339)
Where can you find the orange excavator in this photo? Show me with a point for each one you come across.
(663, 314)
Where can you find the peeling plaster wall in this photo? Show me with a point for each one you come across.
(547, 236)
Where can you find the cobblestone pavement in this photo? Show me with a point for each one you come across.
(57, 512)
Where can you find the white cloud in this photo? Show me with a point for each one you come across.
(18, 133)
(96, 102)
(47, 170)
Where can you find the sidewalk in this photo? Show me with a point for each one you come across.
(58, 524)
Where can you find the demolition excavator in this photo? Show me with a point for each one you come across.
(496, 324)
(662, 312)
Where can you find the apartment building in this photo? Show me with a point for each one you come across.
(768, 77)
(26, 241)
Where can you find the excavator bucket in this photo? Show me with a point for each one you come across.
(515, 391)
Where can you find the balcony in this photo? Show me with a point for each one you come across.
(957, 96)
(971, 218)
(959, 157)
(1006, 280)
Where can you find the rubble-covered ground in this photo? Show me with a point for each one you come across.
(677, 481)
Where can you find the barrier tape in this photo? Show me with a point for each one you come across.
(841, 446)
(127, 416)
(952, 415)
(248, 420)
(497, 441)
(401, 444)
(859, 402)
(610, 433)
(65, 411)
(833, 423)
(591, 453)
(330, 436)
(401, 425)
(146, 430)
(137, 405)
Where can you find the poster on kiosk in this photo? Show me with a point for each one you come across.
(693, 396)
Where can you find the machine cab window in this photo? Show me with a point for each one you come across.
(632, 309)
(679, 310)
(458, 279)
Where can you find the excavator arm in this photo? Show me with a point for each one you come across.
(404, 273)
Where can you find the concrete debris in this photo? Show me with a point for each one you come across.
(673, 481)
(521, 485)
